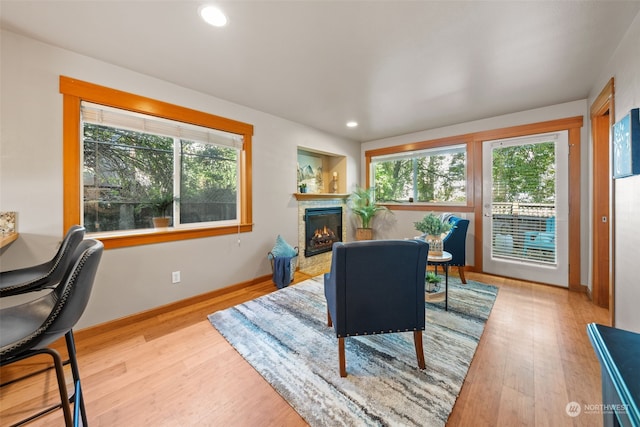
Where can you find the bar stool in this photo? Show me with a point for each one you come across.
(27, 279)
(27, 329)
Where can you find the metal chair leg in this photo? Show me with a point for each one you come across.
(77, 397)
(62, 384)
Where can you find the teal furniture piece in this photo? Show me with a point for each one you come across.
(618, 352)
(541, 240)
(377, 287)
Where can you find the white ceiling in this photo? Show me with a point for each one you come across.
(394, 66)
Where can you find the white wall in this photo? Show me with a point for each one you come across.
(134, 279)
(401, 224)
(624, 66)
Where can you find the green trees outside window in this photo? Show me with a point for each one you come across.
(436, 175)
(130, 177)
(525, 173)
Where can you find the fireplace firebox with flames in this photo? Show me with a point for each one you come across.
(323, 227)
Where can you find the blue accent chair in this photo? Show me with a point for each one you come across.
(541, 240)
(375, 287)
(456, 244)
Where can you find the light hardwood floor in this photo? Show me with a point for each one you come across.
(175, 369)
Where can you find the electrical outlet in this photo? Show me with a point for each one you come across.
(175, 277)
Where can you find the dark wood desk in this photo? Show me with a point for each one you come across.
(619, 355)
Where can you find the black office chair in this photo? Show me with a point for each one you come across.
(27, 329)
(48, 274)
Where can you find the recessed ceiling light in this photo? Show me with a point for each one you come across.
(352, 124)
(213, 16)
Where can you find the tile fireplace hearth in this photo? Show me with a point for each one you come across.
(323, 227)
(317, 260)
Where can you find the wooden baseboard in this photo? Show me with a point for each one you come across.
(588, 292)
(147, 314)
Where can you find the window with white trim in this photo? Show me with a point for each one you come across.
(433, 175)
(137, 167)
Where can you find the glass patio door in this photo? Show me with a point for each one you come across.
(525, 208)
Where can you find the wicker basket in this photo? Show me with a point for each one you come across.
(294, 263)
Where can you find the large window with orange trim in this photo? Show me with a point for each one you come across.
(142, 172)
(130, 160)
(432, 175)
(435, 174)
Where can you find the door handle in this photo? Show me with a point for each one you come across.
(604, 218)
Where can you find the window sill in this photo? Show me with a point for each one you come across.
(170, 234)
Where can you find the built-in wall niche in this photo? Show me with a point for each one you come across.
(320, 172)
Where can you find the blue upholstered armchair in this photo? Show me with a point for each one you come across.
(375, 287)
(455, 244)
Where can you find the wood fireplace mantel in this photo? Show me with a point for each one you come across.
(320, 196)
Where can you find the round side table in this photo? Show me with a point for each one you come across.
(443, 260)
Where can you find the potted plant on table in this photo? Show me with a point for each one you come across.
(432, 282)
(433, 228)
(362, 203)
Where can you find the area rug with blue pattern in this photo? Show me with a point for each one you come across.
(285, 337)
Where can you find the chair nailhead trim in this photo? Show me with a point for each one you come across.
(381, 332)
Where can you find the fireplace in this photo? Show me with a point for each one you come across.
(323, 227)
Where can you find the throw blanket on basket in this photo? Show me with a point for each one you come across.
(282, 271)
